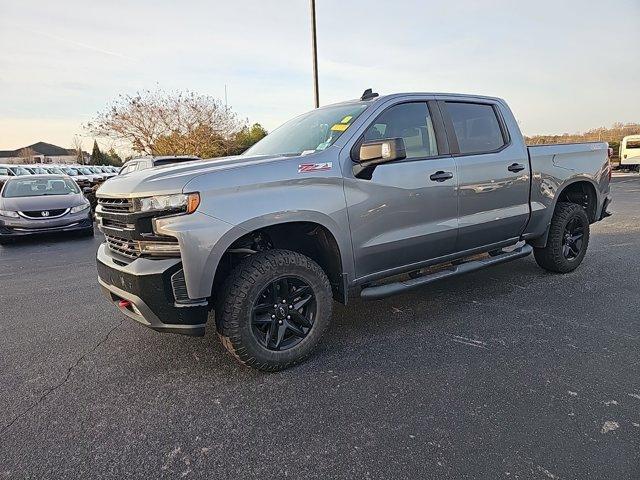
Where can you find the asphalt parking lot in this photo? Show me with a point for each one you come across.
(509, 372)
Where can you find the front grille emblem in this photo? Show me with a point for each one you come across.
(45, 213)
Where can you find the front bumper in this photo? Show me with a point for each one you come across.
(19, 227)
(143, 290)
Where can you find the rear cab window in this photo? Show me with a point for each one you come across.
(477, 127)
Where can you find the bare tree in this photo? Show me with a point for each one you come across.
(27, 155)
(77, 147)
(169, 123)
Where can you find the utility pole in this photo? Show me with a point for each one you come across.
(314, 51)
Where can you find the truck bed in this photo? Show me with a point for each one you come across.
(553, 167)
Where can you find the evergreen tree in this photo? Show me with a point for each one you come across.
(97, 157)
(113, 158)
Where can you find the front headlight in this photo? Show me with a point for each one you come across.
(9, 213)
(80, 208)
(186, 202)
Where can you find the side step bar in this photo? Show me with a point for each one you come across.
(382, 291)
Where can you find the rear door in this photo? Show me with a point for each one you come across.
(406, 212)
(493, 174)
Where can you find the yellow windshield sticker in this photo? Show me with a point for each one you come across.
(346, 119)
(339, 127)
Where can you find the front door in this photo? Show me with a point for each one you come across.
(406, 212)
(493, 175)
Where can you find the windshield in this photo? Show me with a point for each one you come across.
(85, 171)
(4, 171)
(20, 171)
(71, 171)
(308, 133)
(55, 170)
(38, 187)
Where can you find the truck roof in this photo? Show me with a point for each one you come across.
(408, 94)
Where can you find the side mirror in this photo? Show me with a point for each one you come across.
(377, 152)
(382, 151)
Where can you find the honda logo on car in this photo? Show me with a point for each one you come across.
(44, 213)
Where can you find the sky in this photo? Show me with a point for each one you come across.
(563, 66)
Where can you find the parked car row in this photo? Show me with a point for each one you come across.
(86, 176)
(37, 199)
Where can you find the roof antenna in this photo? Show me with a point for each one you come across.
(368, 94)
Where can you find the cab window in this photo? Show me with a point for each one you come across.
(476, 127)
(129, 168)
(409, 121)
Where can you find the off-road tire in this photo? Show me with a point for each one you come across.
(241, 289)
(551, 257)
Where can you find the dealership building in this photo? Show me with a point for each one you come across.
(42, 152)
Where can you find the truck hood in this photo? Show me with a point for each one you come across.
(172, 178)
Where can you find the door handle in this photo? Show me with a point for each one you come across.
(515, 167)
(441, 176)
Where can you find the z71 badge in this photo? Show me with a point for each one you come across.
(314, 167)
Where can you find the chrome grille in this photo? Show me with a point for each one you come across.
(117, 224)
(116, 205)
(123, 246)
(44, 214)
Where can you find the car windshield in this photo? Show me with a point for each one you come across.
(55, 170)
(85, 171)
(4, 171)
(71, 171)
(38, 187)
(20, 171)
(311, 132)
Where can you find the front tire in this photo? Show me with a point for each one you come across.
(568, 239)
(275, 307)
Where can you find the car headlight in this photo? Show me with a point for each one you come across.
(80, 208)
(186, 202)
(9, 213)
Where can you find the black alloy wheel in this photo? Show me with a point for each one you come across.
(273, 309)
(572, 238)
(567, 239)
(284, 313)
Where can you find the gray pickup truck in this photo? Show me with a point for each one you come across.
(368, 197)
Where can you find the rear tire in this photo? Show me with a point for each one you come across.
(275, 307)
(568, 239)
